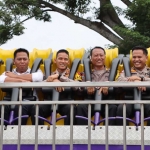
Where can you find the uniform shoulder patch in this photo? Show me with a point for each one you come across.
(148, 68)
(107, 69)
(132, 70)
(78, 76)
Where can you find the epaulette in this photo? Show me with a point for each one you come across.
(133, 71)
(54, 72)
(148, 68)
(92, 70)
(107, 70)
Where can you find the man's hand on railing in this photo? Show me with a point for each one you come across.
(90, 90)
(52, 78)
(59, 89)
(142, 89)
(104, 90)
(134, 78)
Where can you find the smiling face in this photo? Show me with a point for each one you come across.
(21, 62)
(98, 58)
(62, 61)
(139, 59)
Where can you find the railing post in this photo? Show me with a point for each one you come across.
(124, 127)
(106, 127)
(89, 126)
(2, 124)
(54, 126)
(19, 119)
(142, 127)
(71, 126)
(36, 127)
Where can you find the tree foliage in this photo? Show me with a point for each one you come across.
(105, 18)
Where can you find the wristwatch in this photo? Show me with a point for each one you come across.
(59, 76)
(142, 78)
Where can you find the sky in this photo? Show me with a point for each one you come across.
(62, 32)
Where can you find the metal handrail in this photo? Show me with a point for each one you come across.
(74, 102)
(74, 84)
(54, 103)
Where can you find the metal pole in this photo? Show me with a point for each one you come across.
(142, 127)
(124, 127)
(106, 127)
(19, 120)
(75, 102)
(2, 123)
(89, 126)
(54, 126)
(36, 127)
(71, 126)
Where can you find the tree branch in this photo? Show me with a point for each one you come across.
(99, 27)
(109, 16)
(127, 2)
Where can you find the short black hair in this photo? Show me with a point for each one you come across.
(96, 48)
(62, 51)
(140, 48)
(20, 50)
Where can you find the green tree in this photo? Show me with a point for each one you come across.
(105, 18)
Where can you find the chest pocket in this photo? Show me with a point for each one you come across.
(104, 76)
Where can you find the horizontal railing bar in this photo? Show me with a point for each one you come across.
(74, 102)
(73, 84)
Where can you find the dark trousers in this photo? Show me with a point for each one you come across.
(26, 110)
(44, 111)
(82, 110)
(112, 109)
(130, 113)
(79, 110)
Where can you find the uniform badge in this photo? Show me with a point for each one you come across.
(78, 76)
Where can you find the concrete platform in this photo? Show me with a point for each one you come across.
(80, 135)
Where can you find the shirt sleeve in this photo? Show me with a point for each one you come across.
(2, 78)
(146, 79)
(77, 78)
(37, 76)
(122, 77)
(66, 79)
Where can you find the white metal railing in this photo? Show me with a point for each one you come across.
(54, 103)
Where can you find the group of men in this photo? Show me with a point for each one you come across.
(139, 72)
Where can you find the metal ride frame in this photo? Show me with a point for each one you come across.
(54, 103)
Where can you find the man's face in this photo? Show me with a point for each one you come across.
(98, 57)
(139, 59)
(21, 61)
(62, 61)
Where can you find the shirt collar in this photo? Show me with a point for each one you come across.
(141, 71)
(105, 69)
(26, 72)
(67, 71)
